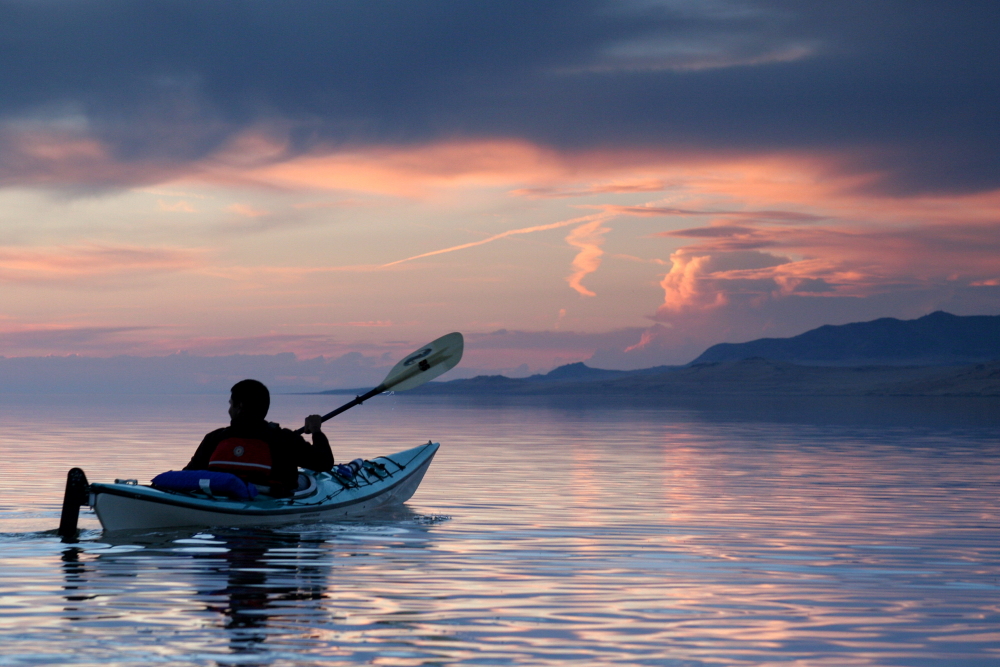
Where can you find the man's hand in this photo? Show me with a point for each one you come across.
(314, 424)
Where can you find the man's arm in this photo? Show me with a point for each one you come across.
(203, 454)
(319, 456)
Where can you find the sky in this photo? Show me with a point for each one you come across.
(623, 183)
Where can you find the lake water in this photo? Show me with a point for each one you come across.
(815, 533)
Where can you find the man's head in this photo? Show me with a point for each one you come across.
(250, 400)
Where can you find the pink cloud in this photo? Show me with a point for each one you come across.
(588, 239)
(844, 261)
(261, 158)
(737, 232)
(54, 339)
(816, 231)
(404, 171)
(51, 157)
(247, 211)
(552, 192)
(502, 235)
(71, 264)
(647, 337)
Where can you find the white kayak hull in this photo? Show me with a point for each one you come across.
(392, 482)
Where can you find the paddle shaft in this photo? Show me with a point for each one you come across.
(408, 374)
(389, 383)
(358, 400)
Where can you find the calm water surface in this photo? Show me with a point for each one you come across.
(850, 533)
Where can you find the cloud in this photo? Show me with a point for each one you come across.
(181, 206)
(540, 350)
(694, 55)
(126, 358)
(550, 192)
(369, 323)
(343, 203)
(588, 238)
(774, 217)
(803, 155)
(104, 341)
(410, 170)
(247, 211)
(111, 94)
(502, 235)
(47, 157)
(174, 193)
(91, 263)
(57, 339)
(186, 373)
(715, 231)
(841, 261)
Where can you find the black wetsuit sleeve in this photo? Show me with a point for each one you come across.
(317, 456)
(203, 454)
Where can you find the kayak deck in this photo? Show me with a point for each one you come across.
(386, 480)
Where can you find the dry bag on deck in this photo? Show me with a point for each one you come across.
(213, 483)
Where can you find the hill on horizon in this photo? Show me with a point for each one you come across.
(886, 356)
(748, 377)
(936, 339)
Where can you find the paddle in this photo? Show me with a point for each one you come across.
(430, 361)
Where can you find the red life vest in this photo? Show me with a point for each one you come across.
(247, 458)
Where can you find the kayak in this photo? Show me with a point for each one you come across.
(345, 491)
(383, 481)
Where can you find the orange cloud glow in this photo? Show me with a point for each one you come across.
(712, 231)
(246, 211)
(414, 171)
(826, 261)
(395, 171)
(647, 185)
(778, 227)
(502, 235)
(682, 283)
(588, 238)
(42, 265)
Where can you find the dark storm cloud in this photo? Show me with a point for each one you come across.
(908, 89)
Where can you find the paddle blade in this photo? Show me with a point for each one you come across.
(427, 363)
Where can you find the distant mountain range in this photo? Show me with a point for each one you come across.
(936, 355)
(757, 377)
(935, 339)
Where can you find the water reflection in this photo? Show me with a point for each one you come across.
(630, 536)
(259, 583)
(269, 592)
(75, 573)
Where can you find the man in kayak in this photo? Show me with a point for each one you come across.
(259, 451)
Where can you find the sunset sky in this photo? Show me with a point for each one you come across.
(623, 182)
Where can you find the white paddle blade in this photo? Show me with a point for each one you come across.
(430, 361)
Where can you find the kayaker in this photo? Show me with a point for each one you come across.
(259, 451)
